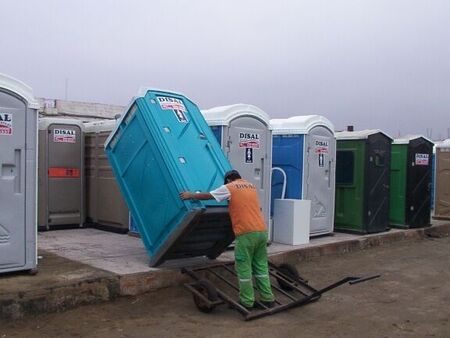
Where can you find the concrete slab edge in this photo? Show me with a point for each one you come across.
(59, 298)
(101, 289)
(362, 243)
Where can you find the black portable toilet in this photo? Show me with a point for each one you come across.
(362, 181)
(410, 187)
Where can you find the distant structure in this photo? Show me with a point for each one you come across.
(85, 111)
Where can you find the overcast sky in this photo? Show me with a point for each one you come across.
(371, 63)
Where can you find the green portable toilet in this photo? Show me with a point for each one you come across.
(410, 188)
(362, 181)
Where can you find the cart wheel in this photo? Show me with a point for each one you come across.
(291, 272)
(209, 291)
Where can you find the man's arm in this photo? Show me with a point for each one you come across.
(188, 195)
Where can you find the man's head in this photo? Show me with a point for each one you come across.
(231, 176)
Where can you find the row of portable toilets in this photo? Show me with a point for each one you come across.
(360, 181)
(306, 174)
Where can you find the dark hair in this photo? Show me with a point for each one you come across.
(231, 176)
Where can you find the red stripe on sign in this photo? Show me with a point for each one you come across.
(64, 172)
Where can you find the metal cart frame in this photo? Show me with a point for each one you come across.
(293, 289)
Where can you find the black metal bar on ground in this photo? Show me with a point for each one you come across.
(280, 290)
(275, 287)
(363, 279)
(224, 279)
(234, 286)
(271, 311)
(335, 285)
(190, 273)
(232, 302)
(203, 297)
(286, 279)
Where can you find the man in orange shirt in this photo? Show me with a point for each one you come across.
(251, 235)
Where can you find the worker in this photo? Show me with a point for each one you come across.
(250, 249)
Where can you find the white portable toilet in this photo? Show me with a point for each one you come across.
(304, 148)
(244, 133)
(18, 156)
(105, 207)
(61, 173)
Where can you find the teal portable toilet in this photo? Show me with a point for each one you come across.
(161, 147)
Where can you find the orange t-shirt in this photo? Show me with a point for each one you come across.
(244, 208)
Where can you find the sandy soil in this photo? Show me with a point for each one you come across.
(411, 299)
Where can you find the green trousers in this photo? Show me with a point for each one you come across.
(250, 254)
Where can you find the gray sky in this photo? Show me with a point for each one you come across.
(372, 63)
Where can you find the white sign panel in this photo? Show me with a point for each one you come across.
(6, 123)
(174, 104)
(64, 136)
(249, 140)
(422, 159)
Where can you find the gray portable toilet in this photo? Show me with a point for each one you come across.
(304, 148)
(105, 207)
(244, 133)
(61, 173)
(18, 136)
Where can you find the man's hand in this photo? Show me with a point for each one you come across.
(186, 195)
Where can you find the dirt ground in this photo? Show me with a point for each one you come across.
(411, 299)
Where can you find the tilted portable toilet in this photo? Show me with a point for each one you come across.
(61, 173)
(244, 133)
(105, 207)
(304, 148)
(442, 187)
(18, 156)
(409, 205)
(161, 147)
(362, 181)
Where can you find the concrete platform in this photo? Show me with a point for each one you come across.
(84, 266)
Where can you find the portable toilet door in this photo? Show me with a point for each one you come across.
(246, 138)
(18, 155)
(61, 173)
(106, 208)
(442, 187)
(362, 181)
(304, 147)
(410, 190)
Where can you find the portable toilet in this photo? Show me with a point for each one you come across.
(410, 194)
(362, 181)
(161, 147)
(304, 150)
(245, 136)
(105, 207)
(61, 173)
(18, 136)
(442, 187)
